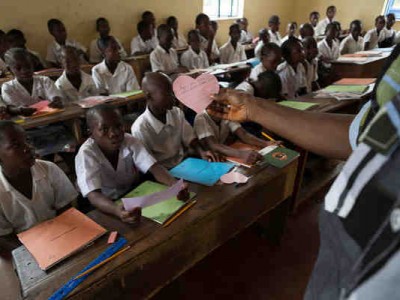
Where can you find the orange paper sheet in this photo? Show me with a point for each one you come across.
(355, 81)
(43, 109)
(54, 240)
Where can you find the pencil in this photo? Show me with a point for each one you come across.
(270, 138)
(102, 263)
(179, 213)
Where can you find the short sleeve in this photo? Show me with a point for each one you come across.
(243, 54)
(6, 93)
(98, 81)
(233, 126)
(185, 61)
(51, 56)
(135, 46)
(5, 226)
(354, 129)
(367, 37)
(132, 82)
(88, 172)
(64, 191)
(95, 54)
(156, 64)
(50, 88)
(202, 128)
(141, 157)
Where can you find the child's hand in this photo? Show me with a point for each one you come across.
(250, 157)
(56, 103)
(4, 113)
(209, 156)
(131, 217)
(184, 194)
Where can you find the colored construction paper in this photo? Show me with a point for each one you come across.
(297, 104)
(355, 81)
(195, 93)
(127, 94)
(234, 177)
(355, 89)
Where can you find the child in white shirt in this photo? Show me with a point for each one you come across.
(263, 40)
(313, 19)
(274, 35)
(145, 41)
(375, 36)
(103, 28)
(320, 29)
(270, 57)
(162, 128)
(354, 42)
(390, 33)
(245, 36)
(179, 41)
(194, 57)
(328, 48)
(291, 31)
(207, 37)
(232, 51)
(311, 61)
(112, 75)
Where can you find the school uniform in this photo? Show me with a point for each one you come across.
(245, 37)
(95, 172)
(286, 37)
(214, 47)
(168, 143)
(311, 73)
(179, 42)
(245, 86)
(389, 33)
(321, 26)
(204, 126)
(257, 50)
(95, 53)
(70, 93)
(191, 60)
(373, 38)
(349, 45)
(123, 79)
(43, 88)
(139, 45)
(291, 80)
(54, 50)
(275, 37)
(228, 54)
(51, 190)
(257, 70)
(164, 61)
(327, 52)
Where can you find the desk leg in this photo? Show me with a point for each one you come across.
(299, 178)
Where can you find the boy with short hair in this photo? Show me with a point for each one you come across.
(207, 37)
(271, 57)
(274, 35)
(314, 18)
(375, 36)
(291, 31)
(354, 42)
(232, 51)
(179, 41)
(328, 48)
(263, 36)
(145, 41)
(306, 30)
(320, 29)
(245, 36)
(311, 61)
(194, 57)
(390, 33)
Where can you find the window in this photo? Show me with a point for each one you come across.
(223, 9)
(393, 6)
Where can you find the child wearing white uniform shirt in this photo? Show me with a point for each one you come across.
(274, 35)
(232, 51)
(374, 36)
(245, 35)
(179, 41)
(207, 37)
(270, 56)
(311, 61)
(354, 41)
(194, 57)
(328, 48)
(145, 41)
(320, 29)
(263, 40)
(112, 75)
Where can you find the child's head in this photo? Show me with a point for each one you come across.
(310, 48)
(145, 30)
(243, 23)
(194, 40)
(380, 22)
(16, 38)
(106, 127)
(291, 28)
(267, 86)
(331, 12)
(234, 33)
(173, 23)
(390, 20)
(109, 48)
(355, 28)
(20, 63)
(15, 152)
(314, 18)
(57, 30)
(203, 24)
(274, 23)
(306, 30)
(292, 51)
(331, 31)
(70, 60)
(4, 46)
(102, 27)
(149, 18)
(264, 35)
(159, 94)
(339, 29)
(214, 26)
(165, 36)
(271, 56)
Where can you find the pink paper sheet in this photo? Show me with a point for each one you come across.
(234, 177)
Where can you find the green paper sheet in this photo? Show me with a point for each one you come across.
(127, 94)
(297, 104)
(356, 89)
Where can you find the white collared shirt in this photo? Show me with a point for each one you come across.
(229, 55)
(123, 79)
(191, 60)
(349, 45)
(43, 88)
(389, 33)
(51, 190)
(166, 142)
(373, 38)
(95, 172)
(54, 50)
(214, 47)
(312, 73)
(245, 37)
(327, 52)
(95, 52)
(321, 26)
(70, 93)
(204, 126)
(163, 61)
(275, 37)
(180, 42)
(139, 45)
(257, 50)
(245, 86)
(257, 70)
(291, 81)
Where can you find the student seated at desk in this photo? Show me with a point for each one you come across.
(145, 41)
(390, 33)
(3, 49)
(164, 58)
(375, 36)
(328, 48)
(31, 190)
(179, 42)
(274, 35)
(162, 128)
(313, 19)
(232, 51)
(306, 30)
(245, 35)
(57, 30)
(207, 37)
(263, 39)
(112, 75)
(74, 84)
(16, 39)
(109, 162)
(311, 63)
(149, 18)
(194, 57)
(103, 28)
(320, 29)
(271, 57)
(354, 42)
(290, 31)
(292, 71)
(267, 86)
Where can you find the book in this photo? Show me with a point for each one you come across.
(280, 157)
(42, 109)
(297, 104)
(355, 89)
(52, 241)
(160, 212)
(355, 81)
(89, 102)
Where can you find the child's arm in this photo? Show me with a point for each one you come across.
(9, 242)
(206, 155)
(162, 175)
(250, 139)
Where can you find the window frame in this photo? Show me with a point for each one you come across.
(219, 17)
(388, 8)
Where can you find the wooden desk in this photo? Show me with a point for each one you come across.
(369, 69)
(158, 254)
(140, 64)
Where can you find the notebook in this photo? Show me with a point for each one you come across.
(127, 94)
(297, 104)
(43, 109)
(94, 100)
(54, 240)
(355, 89)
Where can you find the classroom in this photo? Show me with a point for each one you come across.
(243, 149)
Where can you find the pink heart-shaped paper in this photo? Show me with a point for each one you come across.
(195, 92)
(234, 177)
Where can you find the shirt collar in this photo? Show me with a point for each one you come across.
(103, 69)
(37, 174)
(157, 125)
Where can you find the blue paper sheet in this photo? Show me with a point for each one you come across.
(201, 171)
